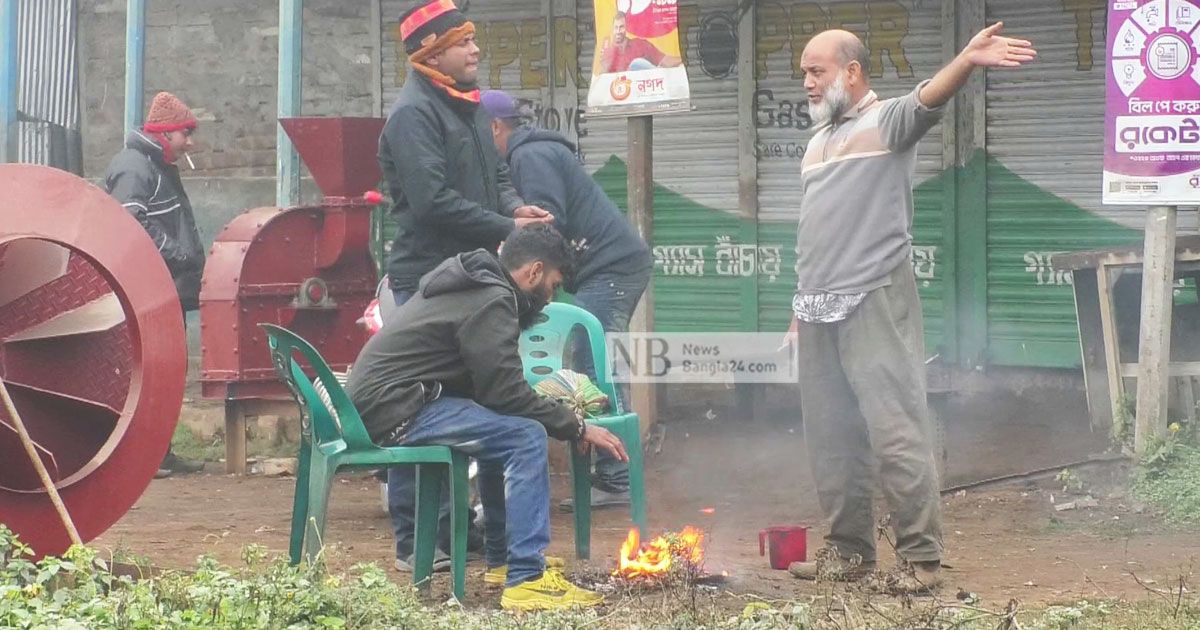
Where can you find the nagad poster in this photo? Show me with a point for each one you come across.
(638, 67)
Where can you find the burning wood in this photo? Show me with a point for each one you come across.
(656, 558)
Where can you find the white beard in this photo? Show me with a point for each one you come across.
(835, 102)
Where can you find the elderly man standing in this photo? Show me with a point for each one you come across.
(857, 318)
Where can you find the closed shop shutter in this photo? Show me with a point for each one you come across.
(1045, 140)
(906, 47)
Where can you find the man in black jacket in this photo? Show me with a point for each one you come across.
(445, 370)
(614, 262)
(449, 187)
(144, 178)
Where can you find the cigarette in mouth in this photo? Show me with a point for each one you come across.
(190, 162)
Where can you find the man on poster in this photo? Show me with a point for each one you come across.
(637, 65)
(620, 52)
(856, 314)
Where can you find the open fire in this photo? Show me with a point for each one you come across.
(657, 557)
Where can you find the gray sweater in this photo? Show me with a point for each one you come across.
(856, 206)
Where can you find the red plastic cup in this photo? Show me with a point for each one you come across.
(787, 544)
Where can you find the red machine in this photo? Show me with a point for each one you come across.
(92, 354)
(308, 269)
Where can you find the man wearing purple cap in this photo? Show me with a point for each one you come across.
(614, 263)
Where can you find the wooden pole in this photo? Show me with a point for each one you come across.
(40, 467)
(644, 396)
(1154, 350)
(746, 394)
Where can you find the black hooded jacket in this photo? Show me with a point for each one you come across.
(150, 189)
(449, 185)
(547, 174)
(457, 336)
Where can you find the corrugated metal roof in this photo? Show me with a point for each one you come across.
(48, 96)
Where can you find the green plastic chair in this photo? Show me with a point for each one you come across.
(542, 348)
(334, 441)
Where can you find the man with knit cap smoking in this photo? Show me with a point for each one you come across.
(144, 178)
(450, 191)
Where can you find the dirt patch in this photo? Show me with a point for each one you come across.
(1001, 543)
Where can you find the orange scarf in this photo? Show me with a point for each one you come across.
(442, 43)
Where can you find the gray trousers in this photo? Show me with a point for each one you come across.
(862, 387)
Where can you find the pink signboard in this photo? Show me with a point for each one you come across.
(1152, 117)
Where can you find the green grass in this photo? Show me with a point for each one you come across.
(78, 591)
(187, 445)
(1172, 483)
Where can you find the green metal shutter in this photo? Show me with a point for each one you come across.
(1045, 144)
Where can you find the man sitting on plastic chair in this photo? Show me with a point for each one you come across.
(445, 370)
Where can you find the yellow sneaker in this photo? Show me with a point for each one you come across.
(495, 577)
(550, 592)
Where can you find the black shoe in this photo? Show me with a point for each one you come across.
(441, 562)
(601, 499)
(179, 465)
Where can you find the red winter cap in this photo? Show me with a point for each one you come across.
(168, 113)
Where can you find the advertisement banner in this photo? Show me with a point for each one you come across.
(1152, 113)
(637, 67)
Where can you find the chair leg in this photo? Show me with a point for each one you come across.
(319, 482)
(581, 481)
(637, 475)
(300, 504)
(429, 496)
(460, 499)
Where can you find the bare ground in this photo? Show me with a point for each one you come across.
(1002, 543)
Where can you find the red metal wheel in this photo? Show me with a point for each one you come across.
(92, 352)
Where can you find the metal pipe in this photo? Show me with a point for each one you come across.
(135, 63)
(291, 35)
(9, 49)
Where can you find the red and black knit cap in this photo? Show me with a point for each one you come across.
(432, 27)
(168, 113)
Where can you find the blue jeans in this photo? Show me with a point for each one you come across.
(612, 299)
(513, 473)
(402, 496)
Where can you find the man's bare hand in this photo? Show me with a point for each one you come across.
(989, 49)
(792, 335)
(531, 212)
(602, 439)
(524, 222)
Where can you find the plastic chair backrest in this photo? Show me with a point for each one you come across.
(344, 423)
(543, 345)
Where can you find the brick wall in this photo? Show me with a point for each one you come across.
(220, 57)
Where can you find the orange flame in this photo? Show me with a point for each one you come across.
(656, 557)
